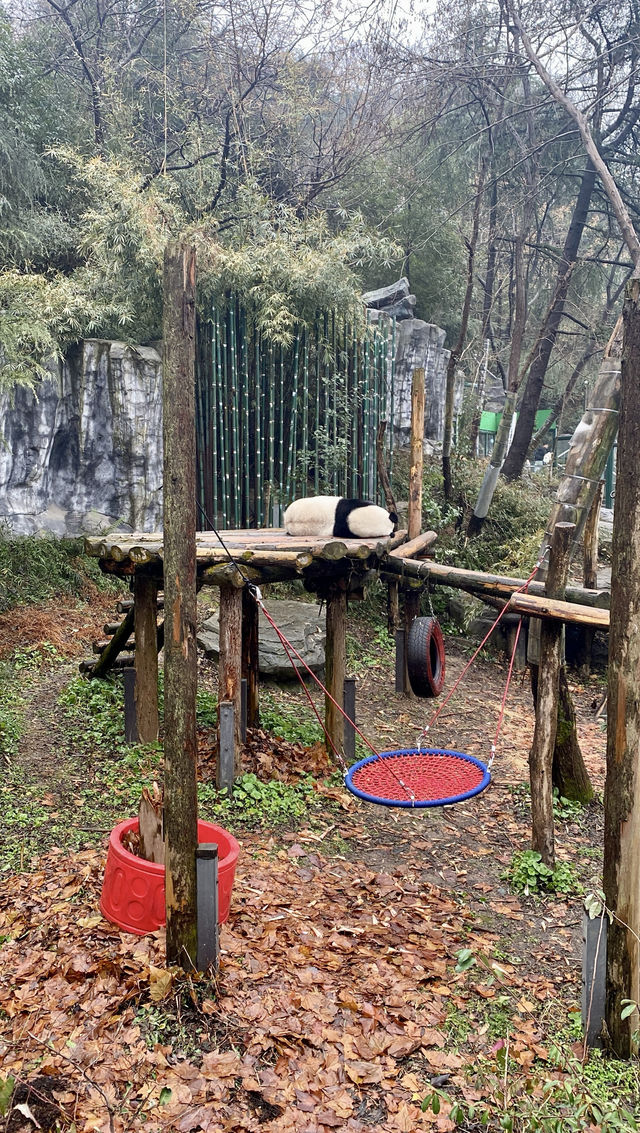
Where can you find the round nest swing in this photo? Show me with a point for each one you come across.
(417, 777)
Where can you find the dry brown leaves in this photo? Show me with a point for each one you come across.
(333, 992)
(68, 627)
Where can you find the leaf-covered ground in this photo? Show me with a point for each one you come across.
(373, 959)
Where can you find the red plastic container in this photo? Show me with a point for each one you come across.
(133, 889)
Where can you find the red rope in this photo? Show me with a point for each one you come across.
(288, 646)
(473, 657)
(290, 649)
(506, 690)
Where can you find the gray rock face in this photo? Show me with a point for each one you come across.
(301, 625)
(420, 344)
(393, 301)
(85, 450)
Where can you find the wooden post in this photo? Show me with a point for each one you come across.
(393, 590)
(335, 661)
(590, 569)
(412, 596)
(349, 725)
(250, 656)
(145, 591)
(544, 736)
(180, 745)
(230, 665)
(622, 787)
(417, 453)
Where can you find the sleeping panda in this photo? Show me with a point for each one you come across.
(335, 515)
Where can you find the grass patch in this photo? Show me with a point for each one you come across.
(254, 804)
(34, 568)
(288, 720)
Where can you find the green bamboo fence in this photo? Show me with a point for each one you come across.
(274, 423)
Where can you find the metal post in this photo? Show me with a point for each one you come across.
(243, 710)
(349, 701)
(130, 712)
(227, 745)
(594, 967)
(208, 955)
(401, 668)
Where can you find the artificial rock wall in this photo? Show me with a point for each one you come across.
(84, 451)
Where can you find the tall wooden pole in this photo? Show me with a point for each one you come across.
(335, 661)
(412, 597)
(417, 453)
(180, 746)
(145, 590)
(622, 786)
(544, 736)
(230, 664)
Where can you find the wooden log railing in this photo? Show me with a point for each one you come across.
(552, 609)
(481, 584)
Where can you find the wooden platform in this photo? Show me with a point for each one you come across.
(264, 545)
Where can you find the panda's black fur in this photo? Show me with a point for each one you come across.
(345, 507)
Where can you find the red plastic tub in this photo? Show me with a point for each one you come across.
(133, 889)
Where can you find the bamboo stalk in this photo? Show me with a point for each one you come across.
(305, 413)
(272, 430)
(235, 414)
(317, 432)
(293, 423)
(220, 396)
(212, 415)
(245, 424)
(281, 430)
(260, 402)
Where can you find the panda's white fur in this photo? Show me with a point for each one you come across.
(335, 515)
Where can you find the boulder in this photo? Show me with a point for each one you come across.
(301, 624)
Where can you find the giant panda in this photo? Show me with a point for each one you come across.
(335, 515)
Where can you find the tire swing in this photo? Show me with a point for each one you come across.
(427, 777)
(426, 663)
(415, 777)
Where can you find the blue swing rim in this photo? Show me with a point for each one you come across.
(417, 804)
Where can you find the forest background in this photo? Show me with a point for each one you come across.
(313, 151)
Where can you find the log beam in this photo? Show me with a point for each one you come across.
(146, 652)
(550, 609)
(479, 583)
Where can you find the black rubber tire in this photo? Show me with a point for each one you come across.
(426, 657)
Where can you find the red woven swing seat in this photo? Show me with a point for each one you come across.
(413, 777)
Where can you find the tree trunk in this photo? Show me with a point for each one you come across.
(503, 436)
(454, 357)
(560, 402)
(474, 428)
(569, 773)
(590, 572)
(622, 787)
(528, 407)
(544, 736)
(180, 746)
(591, 442)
